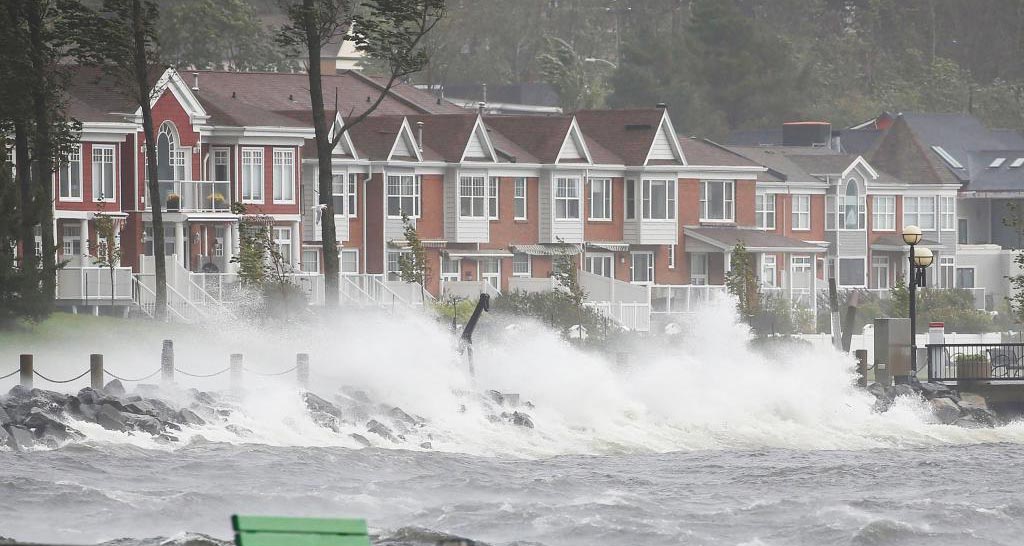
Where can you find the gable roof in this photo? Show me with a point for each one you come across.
(900, 152)
(1004, 177)
(540, 136)
(705, 152)
(93, 96)
(629, 133)
(375, 138)
(446, 134)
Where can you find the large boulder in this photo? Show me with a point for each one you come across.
(140, 407)
(521, 420)
(945, 410)
(970, 401)
(935, 390)
(20, 437)
(145, 423)
(984, 417)
(360, 439)
(111, 418)
(4, 418)
(903, 390)
(318, 405)
(381, 430)
(5, 439)
(114, 388)
(190, 418)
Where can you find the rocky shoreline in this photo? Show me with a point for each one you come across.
(32, 418)
(949, 407)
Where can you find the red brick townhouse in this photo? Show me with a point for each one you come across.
(491, 196)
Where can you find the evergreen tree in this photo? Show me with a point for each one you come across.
(741, 281)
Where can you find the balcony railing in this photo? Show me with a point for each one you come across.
(683, 298)
(976, 362)
(93, 284)
(193, 196)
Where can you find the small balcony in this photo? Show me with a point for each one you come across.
(193, 196)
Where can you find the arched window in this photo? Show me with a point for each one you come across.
(170, 159)
(850, 205)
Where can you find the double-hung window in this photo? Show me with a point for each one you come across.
(947, 213)
(252, 175)
(567, 198)
(630, 199)
(883, 213)
(769, 270)
(472, 197)
(102, 173)
(717, 200)
(353, 191)
(284, 176)
(947, 271)
(521, 264)
(600, 198)
(920, 212)
(659, 199)
(519, 199)
(880, 272)
(492, 198)
(349, 259)
(403, 196)
(339, 194)
(283, 243)
(310, 260)
(764, 210)
(394, 271)
(801, 212)
(71, 176)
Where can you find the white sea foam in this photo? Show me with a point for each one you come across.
(706, 390)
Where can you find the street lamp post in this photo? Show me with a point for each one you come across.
(920, 259)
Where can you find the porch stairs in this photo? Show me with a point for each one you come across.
(625, 304)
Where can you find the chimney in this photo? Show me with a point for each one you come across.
(419, 135)
(195, 81)
(484, 86)
(661, 105)
(480, 107)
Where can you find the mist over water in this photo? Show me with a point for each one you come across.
(698, 440)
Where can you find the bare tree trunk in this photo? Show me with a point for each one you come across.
(143, 88)
(27, 202)
(43, 152)
(323, 151)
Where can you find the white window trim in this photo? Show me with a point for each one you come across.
(865, 271)
(529, 266)
(652, 268)
(941, 212)
(731, 213)
(493, 194)
(353, 250)
(974, 275)
(526, 193)
(765, 199)
(289, 155)
(352, 195)
(113, 171)
(807, 214)
(302, 260)
(671, 199)
(603, 256)
(81, 179)
(607, 183)
(262, 170)
(888, 271)
(917, 214)
(417, 196)
(875, 215)
(213, 162)
(484, 198)
(774, 268)
(577, 182)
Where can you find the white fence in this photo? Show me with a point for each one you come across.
(93, 284)
(684, 298)
(532, 285)
(468, 289)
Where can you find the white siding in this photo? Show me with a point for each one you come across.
(476, 148)
(311, 230)
(544, 207)
(570, 150)
(660, 232)
(451, 184)
(473, 230)
(403, 148)
(662, 148)
(631, 231)
(851, 243)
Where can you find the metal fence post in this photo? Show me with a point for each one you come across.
(167, 362)
(25, 366)
(96, 371)
(302, 369)
(236, 372)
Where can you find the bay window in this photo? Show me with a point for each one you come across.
(659, 200)
(717, 200)
(403, 196)
(567, 198)
(472, 197)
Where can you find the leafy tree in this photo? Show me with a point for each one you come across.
(390, 31)
(264, 269)
(741, 281)
(218, 34)
(412, 265)
(106, 251)
(120, 37)
(577, 84)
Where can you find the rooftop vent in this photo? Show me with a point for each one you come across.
(195, 81)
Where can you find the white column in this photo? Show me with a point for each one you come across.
(229, 247)
(235, 237)
(179, 242)
(84, 223)
(296, 245)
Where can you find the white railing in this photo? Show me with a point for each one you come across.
(468, 289)
(629, 316)
(532, 285)
(145, 299)
(600, 288)
(193, 196)
(683, 298)
(804, 297)
(93, 284)
(217, 286)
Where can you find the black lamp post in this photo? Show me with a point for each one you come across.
(920, 259)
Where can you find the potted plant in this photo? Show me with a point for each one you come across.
(216, 200)
(173, 201)
(973, 366)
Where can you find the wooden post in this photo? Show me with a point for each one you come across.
(302, 369)
(236, 372)
(862, 367)
(96, 371)
(25, 365)
(167, 362)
